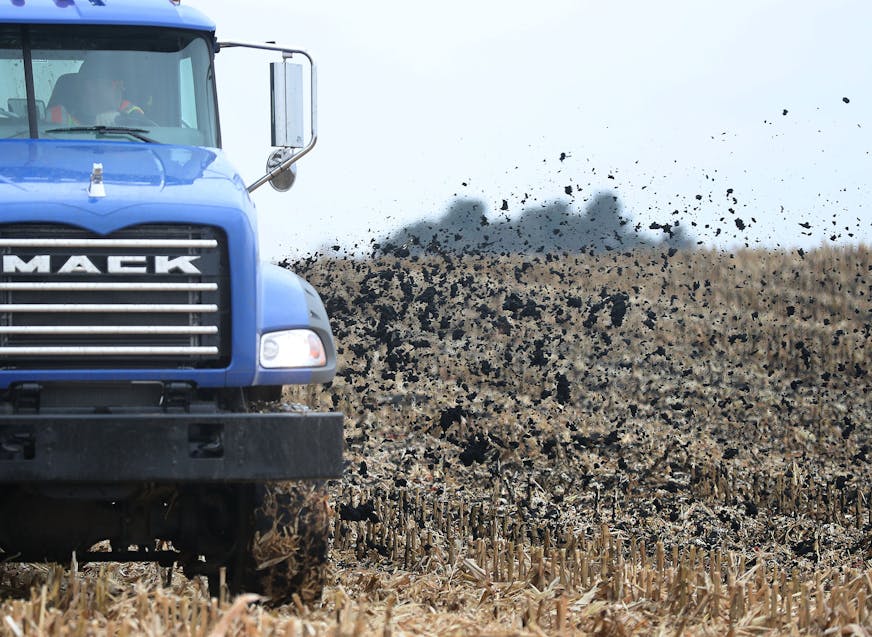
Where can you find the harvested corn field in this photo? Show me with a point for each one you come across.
(642, 443)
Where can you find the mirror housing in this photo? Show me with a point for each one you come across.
(286, 89)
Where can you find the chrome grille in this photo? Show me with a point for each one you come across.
(147, 296)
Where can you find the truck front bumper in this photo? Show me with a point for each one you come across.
(193, 448)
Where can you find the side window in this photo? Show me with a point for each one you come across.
(186, 91)
(13, 93)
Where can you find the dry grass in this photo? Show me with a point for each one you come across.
(611, 445)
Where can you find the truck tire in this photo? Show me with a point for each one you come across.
(288, 543)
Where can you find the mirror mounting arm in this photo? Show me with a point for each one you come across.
(287, 53)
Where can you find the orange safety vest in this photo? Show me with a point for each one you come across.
(129, 108)
(59, 115)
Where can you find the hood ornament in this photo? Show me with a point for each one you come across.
(97, 189)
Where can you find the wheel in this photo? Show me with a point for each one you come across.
(286, 547)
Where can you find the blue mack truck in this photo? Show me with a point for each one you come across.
(138, 324)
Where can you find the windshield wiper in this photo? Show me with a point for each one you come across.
(107, 130)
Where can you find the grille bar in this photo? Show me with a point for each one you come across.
(126, 308)
(109, 329)
(108, 351)
(108, 287)
(108, 243)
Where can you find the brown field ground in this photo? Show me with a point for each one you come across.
(618, 444)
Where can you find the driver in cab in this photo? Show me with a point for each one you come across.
(98, 98)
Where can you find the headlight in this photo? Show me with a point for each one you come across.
(292, 348)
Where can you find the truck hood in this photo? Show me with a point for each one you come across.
(43, 173)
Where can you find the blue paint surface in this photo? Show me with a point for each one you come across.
(158, 13)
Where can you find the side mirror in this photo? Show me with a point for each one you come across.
(289, 124)
(18, 106)
(286, 87)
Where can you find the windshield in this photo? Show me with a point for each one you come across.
(113, 83)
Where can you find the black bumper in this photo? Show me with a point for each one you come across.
(170, 448)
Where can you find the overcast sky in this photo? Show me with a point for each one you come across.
(658, 102)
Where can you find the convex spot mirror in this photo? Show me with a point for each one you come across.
(285, 179)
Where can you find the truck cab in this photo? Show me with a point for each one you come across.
(137, 319)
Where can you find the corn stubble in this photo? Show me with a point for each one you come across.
(610, 445)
